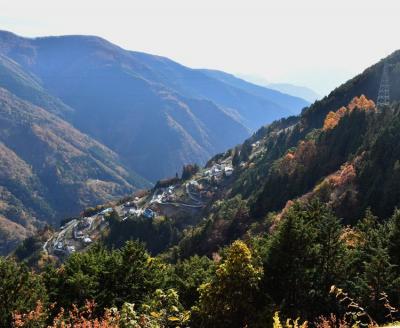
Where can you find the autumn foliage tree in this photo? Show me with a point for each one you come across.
(229, 299)
(358, 103)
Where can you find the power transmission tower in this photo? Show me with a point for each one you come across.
(384, 89)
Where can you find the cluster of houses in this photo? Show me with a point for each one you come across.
(218, 171)
(168, 194)
(79, 229)
(164, 195)
(132, 210)
(62, 249)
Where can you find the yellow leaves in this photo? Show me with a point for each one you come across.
(290, 323)
(277, 321)
(357, 103)
(174, 309)
(155, 314)
(173, 319)
(351, 237)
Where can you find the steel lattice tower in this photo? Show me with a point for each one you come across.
(384, 89)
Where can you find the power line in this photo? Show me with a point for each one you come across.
(384, 88)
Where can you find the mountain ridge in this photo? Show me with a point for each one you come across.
(84, 72)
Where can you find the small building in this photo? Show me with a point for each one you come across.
(194, 184)
(70, 249)
(107, 210)
(228, 171)
(87, 240)
(130, 204)
(148, 213)
(78, 234)
(84, 223)
(207, 173)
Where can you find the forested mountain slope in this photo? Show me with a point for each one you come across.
(50, 170)
(342, 150)
(141, 106)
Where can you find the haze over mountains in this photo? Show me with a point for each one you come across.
(132, 101)
(84, 121)
(288, 88)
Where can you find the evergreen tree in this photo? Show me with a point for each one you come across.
(394, 239)
(188, 275)
(305, 256)
(20, 290)
(373, 271)
(110, 278)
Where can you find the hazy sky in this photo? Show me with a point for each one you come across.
(317, 43)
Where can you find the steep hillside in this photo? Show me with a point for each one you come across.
(342, 150)
(50, 170)
(27, 87)
(141, 106)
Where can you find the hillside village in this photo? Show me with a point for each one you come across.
(170, 197)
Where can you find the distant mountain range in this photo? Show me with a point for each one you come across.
(143, 107)
(343, 150)
(287, 88)
(84, 121)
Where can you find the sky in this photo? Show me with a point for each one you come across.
(314, 43)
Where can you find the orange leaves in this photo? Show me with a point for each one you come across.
(331, 120)
(76, 318)
(362, 103)
(358, 103)
(37, 315)
(346, 174)
(289, 156)
(304, 154)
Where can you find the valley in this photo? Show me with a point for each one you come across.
(85, 122)
(137, 192)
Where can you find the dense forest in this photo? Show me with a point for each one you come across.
(310, 266)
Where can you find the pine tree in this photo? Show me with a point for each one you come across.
(374, 272)
(394, 239)
(304, 258)
(20, 290)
